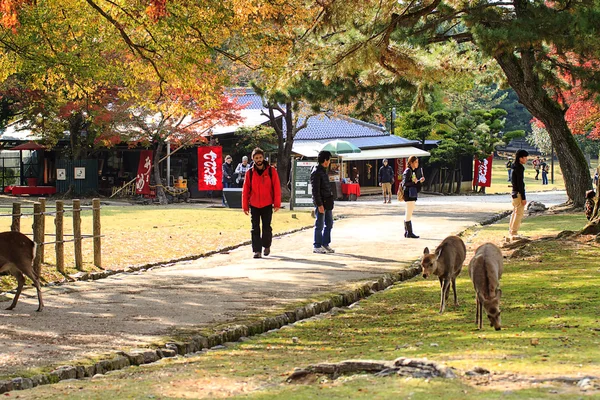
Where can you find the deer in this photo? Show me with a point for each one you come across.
(17, 252)
(446, 262)
(485, 270)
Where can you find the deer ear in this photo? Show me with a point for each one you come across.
(438, 254)
(426, 251)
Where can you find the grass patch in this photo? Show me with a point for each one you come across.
(154, 235)
(550, 327)
(500, 182)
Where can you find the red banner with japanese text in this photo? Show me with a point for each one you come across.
(483, 172)
(210, 168)
(142, 182)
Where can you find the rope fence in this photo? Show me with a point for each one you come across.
(39, 230)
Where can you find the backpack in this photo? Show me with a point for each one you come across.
(509, 164)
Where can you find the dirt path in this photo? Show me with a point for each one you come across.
(130, 310)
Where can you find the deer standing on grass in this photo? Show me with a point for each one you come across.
(446, 262)
(485, 270)
(16, 257)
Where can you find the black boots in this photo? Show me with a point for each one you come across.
(408, 232)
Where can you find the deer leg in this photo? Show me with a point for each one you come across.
(20, 282)
(454, 291)
(476, 309)
(444, 294)
(480, 312)
(36, 282)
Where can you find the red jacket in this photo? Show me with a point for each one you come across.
(262, 190)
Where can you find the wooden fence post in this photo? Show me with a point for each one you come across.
(77, 234)
(59, 245)
(96, 231)
(16, 218)
(42, 202)
(37, 234)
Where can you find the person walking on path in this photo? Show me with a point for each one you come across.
(411, 186)
(261, 195)
(509, 168)
(323, 200)
(519, 199)
(544, 167)
(536, 165)
(240, 171)
(227, 175)
(386, 178)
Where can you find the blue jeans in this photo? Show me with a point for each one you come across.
(510, 174)
(544, 178)
(323, 225)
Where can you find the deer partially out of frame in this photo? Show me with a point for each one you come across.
(16, 257)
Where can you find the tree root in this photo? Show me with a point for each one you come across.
(418, 368)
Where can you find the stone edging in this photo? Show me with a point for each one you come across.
(120, 359)
(497, 217)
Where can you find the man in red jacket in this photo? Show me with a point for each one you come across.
(260, 195)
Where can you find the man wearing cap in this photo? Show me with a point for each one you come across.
(227, 175)
(386, 178)
(518, 194)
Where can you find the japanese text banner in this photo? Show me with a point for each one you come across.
(483, 172)
(210, 171)
(142, 182)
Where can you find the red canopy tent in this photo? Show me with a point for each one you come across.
(29, 146)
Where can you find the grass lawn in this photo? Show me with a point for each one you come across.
(551, 327)
(500, 182)
(142, 234)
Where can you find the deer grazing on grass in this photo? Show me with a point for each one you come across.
(485, 270)
(446, 262)
(16, 257)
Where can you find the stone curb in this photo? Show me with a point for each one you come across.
(497, 217)
(197, 343)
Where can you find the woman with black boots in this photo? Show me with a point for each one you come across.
(411, 186)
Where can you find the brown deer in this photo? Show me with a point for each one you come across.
(446, 262)
(16, 257)
(485, 270)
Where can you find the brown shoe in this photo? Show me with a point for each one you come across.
(267, 251)
(257, 255)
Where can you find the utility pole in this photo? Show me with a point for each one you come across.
(392, 127)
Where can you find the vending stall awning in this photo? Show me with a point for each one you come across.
(393, 152)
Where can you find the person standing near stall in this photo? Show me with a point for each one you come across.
(411, 186)
(386, 177)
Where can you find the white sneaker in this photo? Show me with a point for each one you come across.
(319, 250)
(328, 249)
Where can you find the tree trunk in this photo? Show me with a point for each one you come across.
(160, 191)
(526, 83)
(458, 181)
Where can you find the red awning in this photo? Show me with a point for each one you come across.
(28, 146)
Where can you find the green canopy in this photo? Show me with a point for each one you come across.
(340, 147)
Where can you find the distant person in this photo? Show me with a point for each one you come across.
(261, 195)
(411, 185)
(240, 171)
(354, 175)
(227, 175)
(544, 167)
(509, 168)
(386, 178)
(322, 197)
(519, 199)
(536, 166)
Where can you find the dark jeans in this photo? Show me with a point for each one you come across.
(544, 178)
(265, 215)
(537, 174)
(510, 174)
(323, 225)
(226, 185)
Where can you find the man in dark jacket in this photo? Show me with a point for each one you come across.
(519, 199)
(323, 201)
(386, 178)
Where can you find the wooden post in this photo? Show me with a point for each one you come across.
(16, 218)
(37, 234)
(97, 233)
(59, 245)
(77, 234)
(42, 202)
